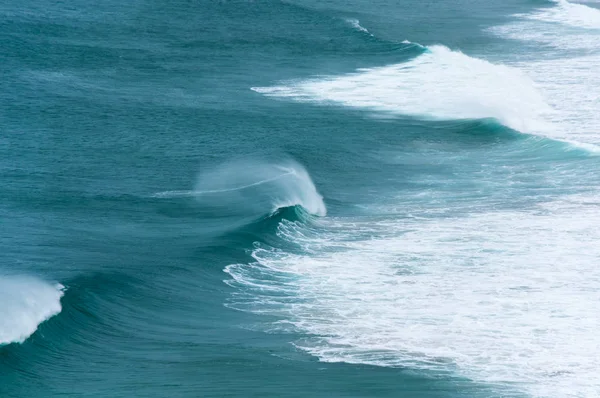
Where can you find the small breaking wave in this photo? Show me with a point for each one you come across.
(26, 303)
(254, 188)
(439, 84)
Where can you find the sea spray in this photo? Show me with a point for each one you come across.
(253, 188)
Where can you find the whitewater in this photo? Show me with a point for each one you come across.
(506, 297)
(26, 302)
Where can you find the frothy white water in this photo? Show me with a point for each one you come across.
(563, 26)
(570, 83)
(506, 298)
(572, 86)
(24, 304)
(255, 186)
(439, 84)
(572, 14)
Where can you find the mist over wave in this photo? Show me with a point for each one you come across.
(25, 303)
(567, 82)
(254, 188)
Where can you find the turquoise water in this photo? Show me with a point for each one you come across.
(300, 198)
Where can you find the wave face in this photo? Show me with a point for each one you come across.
(439, 84)
(26, 302)
(474, 296)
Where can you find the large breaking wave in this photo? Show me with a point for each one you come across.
(439, 84)
(25, 303)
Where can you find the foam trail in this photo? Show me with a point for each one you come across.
(25, 303)
(439, 84)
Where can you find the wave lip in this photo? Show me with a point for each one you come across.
(26, 303)
(440, 84)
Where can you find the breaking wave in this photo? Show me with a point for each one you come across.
(26, 303)
(439, 84)
(254, 188)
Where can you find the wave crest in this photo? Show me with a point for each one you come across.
(253, 188)
(564, 12)
(26, 303)
(439, 84)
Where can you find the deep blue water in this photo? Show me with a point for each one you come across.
(299, 198)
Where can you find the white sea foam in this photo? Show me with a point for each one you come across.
(439, 84)
(564, 26)
(24, 304)
(572, 14)
(572, 86)
(569, 83)
(507, 298)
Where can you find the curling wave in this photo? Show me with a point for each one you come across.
(26, 303)
(439, 84)
(254, 188)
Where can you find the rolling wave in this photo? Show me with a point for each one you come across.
(26, 303)
(440, 84)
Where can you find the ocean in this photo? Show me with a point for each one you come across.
(299, 198)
